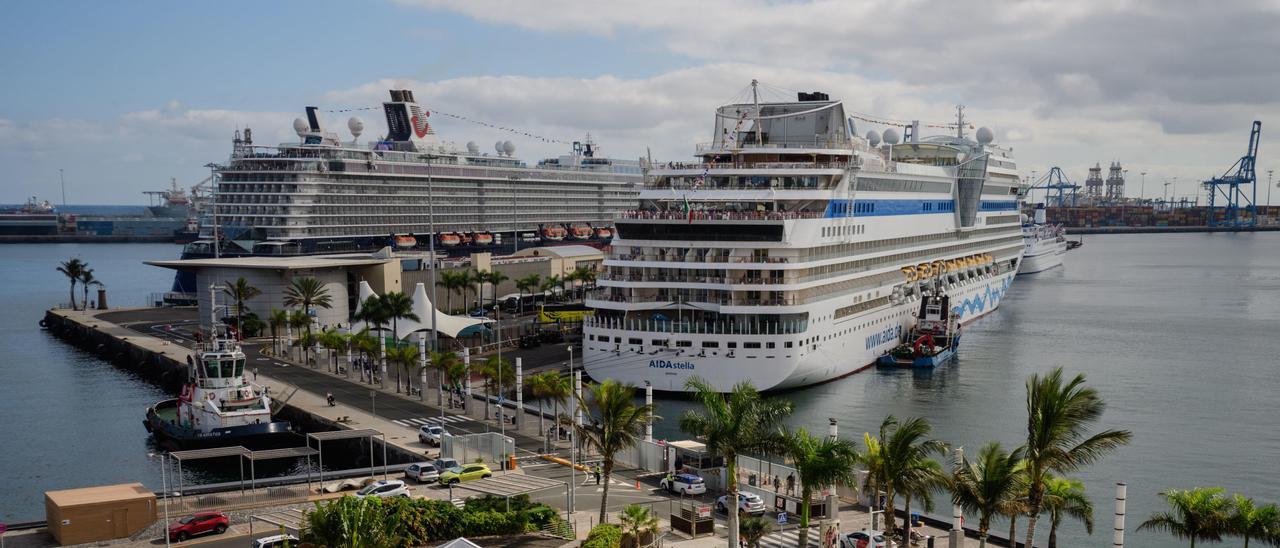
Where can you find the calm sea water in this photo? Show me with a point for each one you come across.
(1178, 332)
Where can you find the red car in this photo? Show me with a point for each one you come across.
(198, 524)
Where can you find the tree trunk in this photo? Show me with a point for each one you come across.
(1013, 530)
(486, 399)
(889, 515)
(1034, 500)
(982, 536)
(73, 294)
(731, 466)
(440, 384)
(805, 494)
(906, 520)
(1053, 534)
(542, 421)
(604, 494)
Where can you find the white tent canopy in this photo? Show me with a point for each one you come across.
(448, 325)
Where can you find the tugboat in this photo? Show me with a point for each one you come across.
(218, 406)
(934, 339)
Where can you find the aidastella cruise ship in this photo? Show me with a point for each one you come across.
(794, 251)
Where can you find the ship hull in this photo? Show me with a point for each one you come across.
(845, 346)
(160, 424)
(1044, 257)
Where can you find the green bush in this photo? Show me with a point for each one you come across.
(605, 535)
(415, 522)
(487, 523)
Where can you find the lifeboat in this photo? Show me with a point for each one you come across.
(582, 232)
(466, 238)
(405, 241)
(603, 233)
(910, 273)
(554, 233)
(483, 238)
(450, 239)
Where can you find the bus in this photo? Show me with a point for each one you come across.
(563, 313)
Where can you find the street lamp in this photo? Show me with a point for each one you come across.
(1269, 185)
(573, 447)
(213, 207)
(164, 484)
(1142, 193)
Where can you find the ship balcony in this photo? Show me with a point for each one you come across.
(697, 322)
(817, 143)
(716, 215)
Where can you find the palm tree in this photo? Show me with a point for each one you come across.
(374, 311)
(638, 523)
(404, 357)
(737, 422)
(364, 342)
(584, 276)
(239, 292)
(469, 279)
(333, 341)
(753, 529)
(86, 280)
(495, 278)
(1198, 514)
(528, 284)
(277, 319)
(1066, 497)
(301, 320)
(986, 486)
(497, 373)
(350, 521)
(397, 305)
(449, 281)
(618, 424)
(457, 372)
(541, 387)
(72, 269)
(1249, 520)
(306, 293)
(442, 362)
(899, 464)
(819, 462)
(305, 341)
(552, 282)
(1057, 416)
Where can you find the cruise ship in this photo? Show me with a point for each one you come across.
(794, 251)
(323, 195)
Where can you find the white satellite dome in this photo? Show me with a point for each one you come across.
(985, 135)
(473, 148)
(509, 148)
(356, 125)
(891, 136)
(498, 147)
(300, 126)
(873, 138)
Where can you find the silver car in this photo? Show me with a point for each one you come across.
(422, 472)
(431, 434)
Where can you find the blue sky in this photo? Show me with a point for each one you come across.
(124, 95)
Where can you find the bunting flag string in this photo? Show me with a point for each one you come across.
(516, 131)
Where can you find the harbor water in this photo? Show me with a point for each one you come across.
(1177, 331)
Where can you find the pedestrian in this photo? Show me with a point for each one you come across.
(596, 469)
(776, 484)
(255, 374)
(791, 483)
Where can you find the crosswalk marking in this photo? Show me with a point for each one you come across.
(424, 421)
(789, 539)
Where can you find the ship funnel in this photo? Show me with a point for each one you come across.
(1040, 214)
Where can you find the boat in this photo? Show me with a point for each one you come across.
(483, 238)
(217, 406)
(172, 202)
(793, 251)
(582, 232)
(603, 233)
(34, 218)
(934, 339)
(1046, 244)
(405, 241)
(554, 233)
(449, 239)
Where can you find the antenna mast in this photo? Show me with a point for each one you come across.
(960, 121)
(755, 99)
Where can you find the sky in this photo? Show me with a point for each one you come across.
(122, 96)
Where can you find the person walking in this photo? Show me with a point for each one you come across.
(596, 470)
(791, 484)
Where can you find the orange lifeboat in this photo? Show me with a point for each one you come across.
(405, 241)
(554, 233)
(450, 239)
(603, 233)
(483, 238)
(582, 232)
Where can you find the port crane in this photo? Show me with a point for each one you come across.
(1227, 188)
(1055, 184)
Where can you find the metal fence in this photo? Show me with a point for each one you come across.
(646, 455)
(491, 447)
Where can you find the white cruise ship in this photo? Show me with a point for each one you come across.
(324, 195)
(1046, 244)
(794, 252)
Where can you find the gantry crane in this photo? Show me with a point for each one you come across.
(1227, 187)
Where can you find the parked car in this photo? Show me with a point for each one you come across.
(445, 463)
(748, 503)
(422, 472)
(685, 484)
(198, 524)
(385, 489)
(459, 474)
(431, 434)
(866, 539)
(274, 541)
(530, 341)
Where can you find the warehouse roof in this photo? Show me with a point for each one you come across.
(277, 263)
(561, 251)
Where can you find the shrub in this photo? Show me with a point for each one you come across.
(605, 535)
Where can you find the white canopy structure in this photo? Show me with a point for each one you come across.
(453, 326)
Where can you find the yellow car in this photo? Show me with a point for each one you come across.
(466, 472)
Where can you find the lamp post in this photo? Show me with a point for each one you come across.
(213, 207)
(573, 446)
(1269, 185)
(1142, 193)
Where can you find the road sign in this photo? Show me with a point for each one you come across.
(782, 518)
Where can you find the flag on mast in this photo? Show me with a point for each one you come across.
(688, 211)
